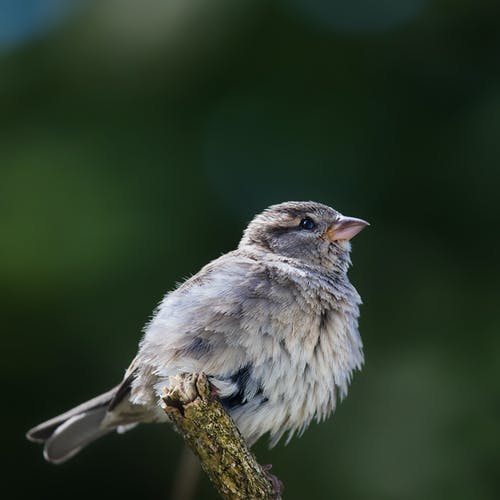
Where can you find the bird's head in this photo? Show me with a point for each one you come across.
(311, 232)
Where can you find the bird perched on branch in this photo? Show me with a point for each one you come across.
(273, 324)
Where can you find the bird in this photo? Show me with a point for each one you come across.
(273, 324)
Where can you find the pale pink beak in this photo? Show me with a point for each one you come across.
(345, 228)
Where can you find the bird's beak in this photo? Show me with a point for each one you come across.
(345, 228)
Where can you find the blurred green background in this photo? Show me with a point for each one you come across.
(136, 141)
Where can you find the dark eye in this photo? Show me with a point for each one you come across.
(307, 223)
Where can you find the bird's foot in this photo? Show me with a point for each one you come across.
(276, 483)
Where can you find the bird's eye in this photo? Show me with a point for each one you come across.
(307, 223)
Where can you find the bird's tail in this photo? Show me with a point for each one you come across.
(67, 434)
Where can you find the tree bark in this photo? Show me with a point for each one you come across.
(211, 433)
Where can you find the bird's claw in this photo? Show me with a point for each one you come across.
(276, 483)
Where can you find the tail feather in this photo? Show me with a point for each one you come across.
(73, 435)
(66, 434)
(43, 431)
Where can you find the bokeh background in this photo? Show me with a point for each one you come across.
(136, 141)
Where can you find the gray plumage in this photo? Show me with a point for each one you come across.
(274, 324)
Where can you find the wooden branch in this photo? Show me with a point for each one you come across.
(212, 435)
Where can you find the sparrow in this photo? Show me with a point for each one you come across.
(273, 325)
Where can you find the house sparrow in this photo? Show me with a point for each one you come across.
(273, 324)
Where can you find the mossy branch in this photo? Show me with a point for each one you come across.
(212, 435)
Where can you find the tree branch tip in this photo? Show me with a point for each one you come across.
(191, 403)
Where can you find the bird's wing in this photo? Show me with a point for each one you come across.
(214, 321)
